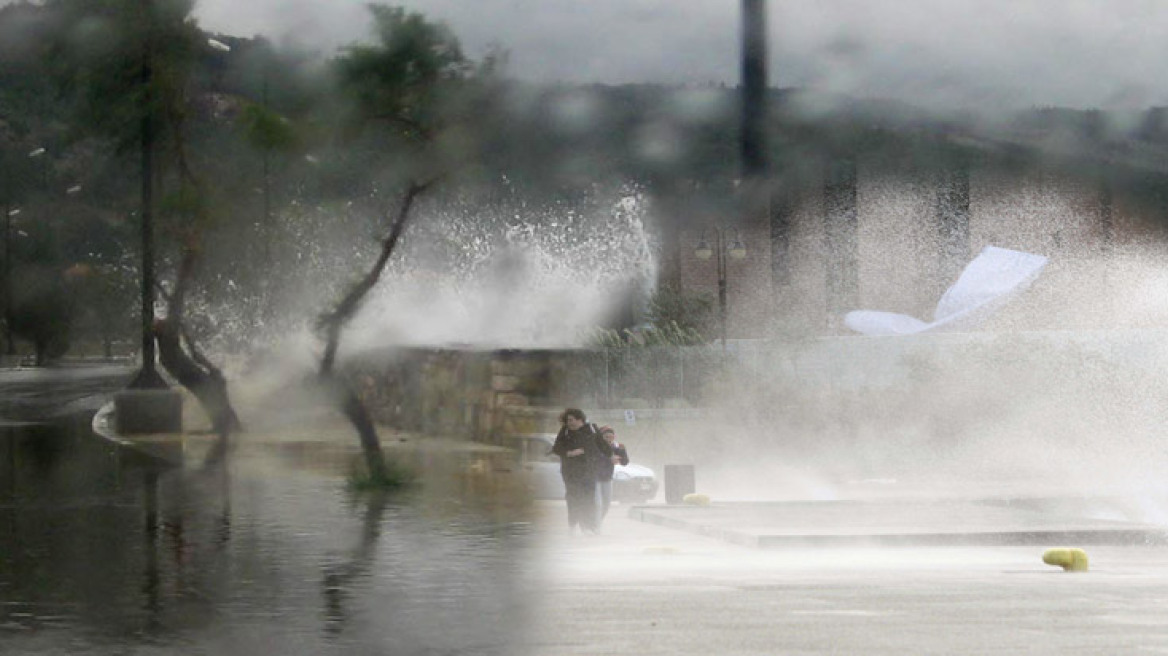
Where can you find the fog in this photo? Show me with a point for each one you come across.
(583, 243)
(950, 54)
(1061, 393)
(490, 238)
(548, 280)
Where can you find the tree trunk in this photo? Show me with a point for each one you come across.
(332, 323)
(209, 387)
(193, 371)
(358, 415)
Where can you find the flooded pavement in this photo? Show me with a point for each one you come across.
(274, 554)
(646, 589)
(102, 553)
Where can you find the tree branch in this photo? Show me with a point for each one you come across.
(332, 322)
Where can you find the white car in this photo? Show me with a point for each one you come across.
(631, 483)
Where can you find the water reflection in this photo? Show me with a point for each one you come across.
(340, 578)
(265, 553)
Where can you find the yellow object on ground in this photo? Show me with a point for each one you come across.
(696, 499)
(1071, 560)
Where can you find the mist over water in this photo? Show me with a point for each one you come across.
(464, 276)
(541, 277)
(1061, 392)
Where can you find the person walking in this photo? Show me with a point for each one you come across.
(606, 465)
(578, 446)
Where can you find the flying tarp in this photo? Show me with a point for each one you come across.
(985, 285)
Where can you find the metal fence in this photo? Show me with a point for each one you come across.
(656, 376)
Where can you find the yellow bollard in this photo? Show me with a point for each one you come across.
(1071, 560)
(696, 499)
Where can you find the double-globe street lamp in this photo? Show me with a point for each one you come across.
(723, 250)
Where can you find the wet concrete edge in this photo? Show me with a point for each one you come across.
(1091, 537)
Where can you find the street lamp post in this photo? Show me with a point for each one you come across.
(148, 377)
(723, 251)
(39, 153)
(9, 212)
(36, 153)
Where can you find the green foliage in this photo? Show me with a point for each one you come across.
(43, 311)
(185, 202)
(402, 79)
(99, 55)
(688, 312)
(668, 334)
(267, 130)
(397, 476)
(675, 318)
(414, 93)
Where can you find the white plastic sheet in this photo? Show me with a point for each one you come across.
(988, 282)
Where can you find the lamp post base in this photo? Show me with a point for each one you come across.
(141, 411)
(148, 379)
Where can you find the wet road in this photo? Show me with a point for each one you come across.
(644, 589)
(42, 393)
(272, 555)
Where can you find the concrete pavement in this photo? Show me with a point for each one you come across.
(994, 521)
(647, 589)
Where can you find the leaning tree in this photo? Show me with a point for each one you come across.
(415, 94)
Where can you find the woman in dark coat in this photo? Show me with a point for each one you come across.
(578, 445)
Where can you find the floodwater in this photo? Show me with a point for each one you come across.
(103, 554)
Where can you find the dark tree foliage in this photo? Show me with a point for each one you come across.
(97, 54)
(43, 314)
(404, 79)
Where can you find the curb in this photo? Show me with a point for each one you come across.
(1093, 537)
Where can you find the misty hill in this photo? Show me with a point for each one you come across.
(268, 131)
(558, 138)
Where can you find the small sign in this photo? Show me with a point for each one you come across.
(630, 417)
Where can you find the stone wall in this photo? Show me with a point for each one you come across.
(473, 394)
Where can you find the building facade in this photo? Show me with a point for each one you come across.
(880, 237)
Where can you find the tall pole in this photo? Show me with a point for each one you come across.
(148, 377)
(754, 83)
(10, 349)
(266, 238)
(720, 254)
(759, 208)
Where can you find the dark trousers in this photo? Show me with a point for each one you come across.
(581, 498)
(603, 498)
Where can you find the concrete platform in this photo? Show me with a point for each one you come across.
(654, 591)
(910, 522)
(148, 411)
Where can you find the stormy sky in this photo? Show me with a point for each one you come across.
(951, 53)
